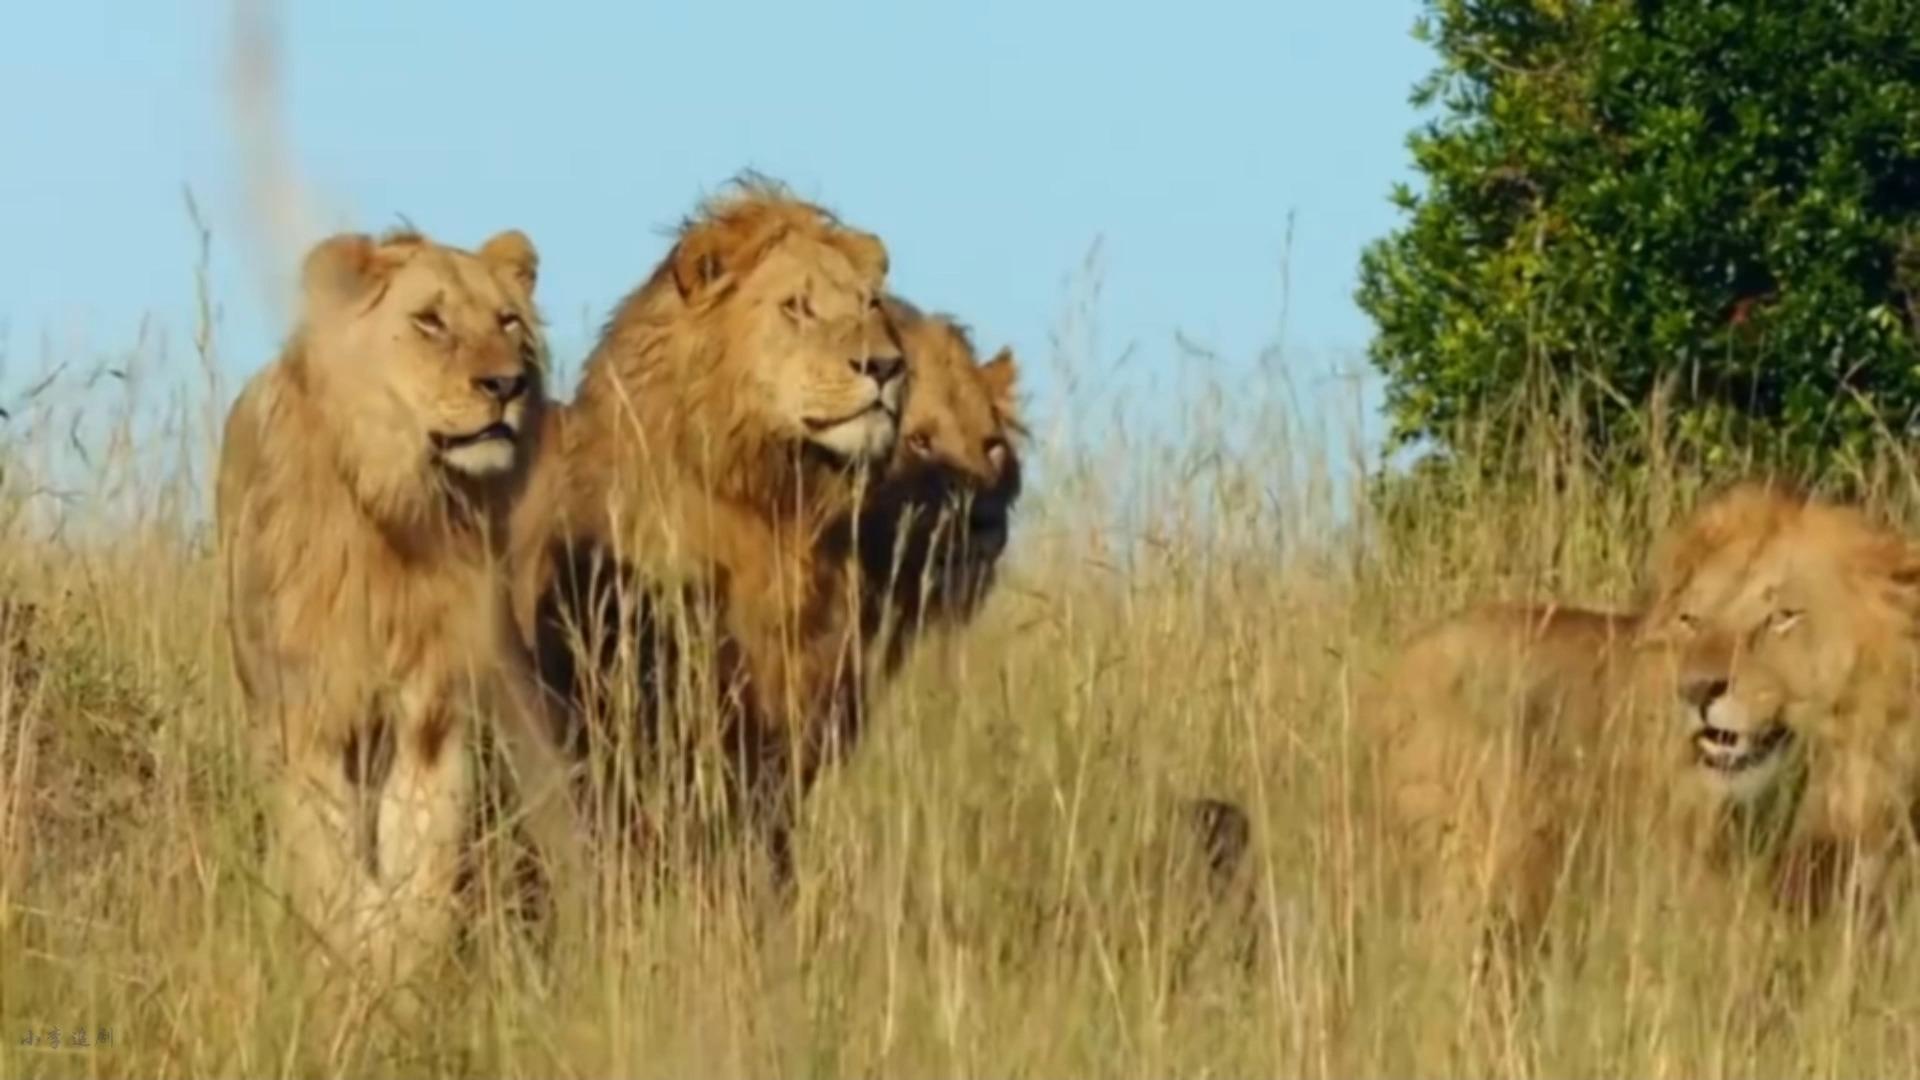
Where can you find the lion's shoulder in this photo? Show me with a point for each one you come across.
(263, 445)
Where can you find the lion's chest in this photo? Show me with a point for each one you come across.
(425, 634)
(448, 614)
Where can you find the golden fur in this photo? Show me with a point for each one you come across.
(1496, 737)
(1505, 732)
(364, 481)
(932, 533)
(724, 424)
(1795, 626)
(1780, 631)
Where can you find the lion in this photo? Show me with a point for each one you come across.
(932, 532)
(364, 483)
(1796, 636)
(1505, 733)
(735, 409)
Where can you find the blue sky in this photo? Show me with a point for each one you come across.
(991, 144)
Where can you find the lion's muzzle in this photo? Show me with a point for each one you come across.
(482, 452)
(1730, 752)
(499, 429)
(1739, 747)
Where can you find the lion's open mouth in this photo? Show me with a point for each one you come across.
(496, 430)
(1729, 752)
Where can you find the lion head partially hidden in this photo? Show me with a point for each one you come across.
(957, 439)
(427, 360)
(936, 526)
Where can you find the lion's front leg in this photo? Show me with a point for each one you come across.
(320, 855)
(419, 837)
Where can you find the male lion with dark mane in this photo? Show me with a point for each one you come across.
(729, 417)
(932, 532)
(364, 483)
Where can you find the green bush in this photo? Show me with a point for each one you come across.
(1713, 197)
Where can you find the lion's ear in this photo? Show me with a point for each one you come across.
(1903, 571)
(699, 259)
(999, 375)
(337, 269)
(347, 268)
(513, 252)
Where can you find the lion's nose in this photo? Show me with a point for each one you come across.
(502, 388)
(1700, 691)
(881, 369)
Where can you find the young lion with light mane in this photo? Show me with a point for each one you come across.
(728, 417)
(364, 482)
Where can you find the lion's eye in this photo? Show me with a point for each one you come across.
(799, 306)
(511, 322)
(920, 443)
(1688, 621)
(429, 322)
(1784, 619)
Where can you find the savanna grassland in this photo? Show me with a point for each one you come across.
(997, 884)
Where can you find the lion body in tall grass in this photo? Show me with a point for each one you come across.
(726, 422)
(363, 486)
(1501, 728)
(1781, 632)
(1514, 739)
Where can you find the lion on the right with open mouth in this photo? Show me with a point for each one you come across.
(1782, 631)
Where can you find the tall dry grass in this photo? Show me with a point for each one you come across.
(991, 886)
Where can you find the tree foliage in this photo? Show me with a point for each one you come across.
(1721, 197)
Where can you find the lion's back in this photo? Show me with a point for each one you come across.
(1483, 726)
